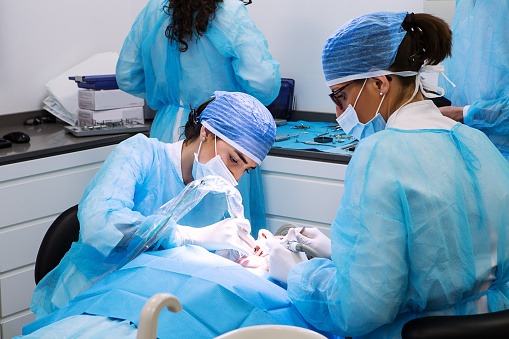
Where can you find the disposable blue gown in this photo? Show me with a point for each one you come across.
(136, 179)
(232, 56)
(479, 67)
(411, 237)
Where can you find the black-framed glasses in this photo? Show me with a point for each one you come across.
(246, 2)
(336, 98)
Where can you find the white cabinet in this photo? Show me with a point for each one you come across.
(302, 192)
(32, 194)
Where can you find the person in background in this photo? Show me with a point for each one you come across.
(179, 52)
(225, 137)
(422, 225)
(479, 67)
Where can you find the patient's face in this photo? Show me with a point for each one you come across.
(260, 259)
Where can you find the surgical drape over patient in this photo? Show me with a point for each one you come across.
(217, 296)
(242, 122)
(356, 49)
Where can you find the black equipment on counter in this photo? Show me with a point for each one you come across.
(282, 107)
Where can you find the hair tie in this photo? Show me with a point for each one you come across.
(411, 23)
(194, 116)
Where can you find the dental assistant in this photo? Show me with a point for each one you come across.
(479, 67)
(422, 225)
(226, 137)
(179, 52)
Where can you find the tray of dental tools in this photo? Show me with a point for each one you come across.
(106, 128)
(320, 136)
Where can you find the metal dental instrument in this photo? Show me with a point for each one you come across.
(353, 144)
(301, 127)
(285, 137)
(319, 135)
(308, 142)
(295, 246)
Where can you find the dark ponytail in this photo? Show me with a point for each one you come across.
(193, 126)
(428, 40)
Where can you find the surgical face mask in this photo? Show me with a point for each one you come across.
(214, 166)
(350, 123)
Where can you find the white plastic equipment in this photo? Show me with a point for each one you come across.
(147, 326)
(271, 332)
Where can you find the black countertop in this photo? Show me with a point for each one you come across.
(49, 139)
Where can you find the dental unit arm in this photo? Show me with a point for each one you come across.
(295, 246)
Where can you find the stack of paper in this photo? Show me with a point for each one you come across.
(62, 100)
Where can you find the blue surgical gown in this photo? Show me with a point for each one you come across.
(138, 177)
(231, 56)
(479, 67)
(423, 214)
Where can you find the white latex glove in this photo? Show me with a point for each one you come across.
(316, 240)
(231, 233)
(282, 260)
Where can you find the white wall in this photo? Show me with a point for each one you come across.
(443, 9)
(296, 31)
(40, 39)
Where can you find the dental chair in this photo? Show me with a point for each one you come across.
(489, 325)
(147, 326)
(56, 242)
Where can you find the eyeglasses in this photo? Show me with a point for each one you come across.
(336, 98)
(246, 2)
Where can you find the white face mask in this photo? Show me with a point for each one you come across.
(214, 166)
(350, 123)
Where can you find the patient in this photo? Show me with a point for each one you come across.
(219, 291)
(217, 295)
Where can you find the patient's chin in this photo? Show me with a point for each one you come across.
(254, 261)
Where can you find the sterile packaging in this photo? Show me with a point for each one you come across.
(109, 99)
(89, 117)
(62, 98)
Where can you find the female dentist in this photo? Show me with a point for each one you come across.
(179, 52)
(422, 225)
(224, 137)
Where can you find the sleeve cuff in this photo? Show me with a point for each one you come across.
(465, 110)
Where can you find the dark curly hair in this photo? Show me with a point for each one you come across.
(189, 19)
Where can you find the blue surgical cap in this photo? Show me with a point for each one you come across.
(363, 47)
(241, 121)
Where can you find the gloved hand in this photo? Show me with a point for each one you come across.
(231, 233)
(281, 260)
(316, 240)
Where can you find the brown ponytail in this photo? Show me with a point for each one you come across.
(428, 40)
(193, 126)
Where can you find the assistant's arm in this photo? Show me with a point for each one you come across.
(130, 73)
(364, 284)
(107, 211)
(235, 35)
(491, 116)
